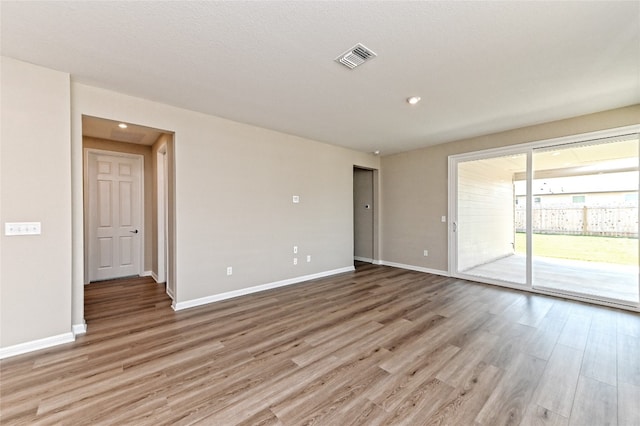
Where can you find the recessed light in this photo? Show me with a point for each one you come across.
(413, 100)
(122, 126)
(376, 152)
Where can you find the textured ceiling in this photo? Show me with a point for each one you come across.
(480, 67)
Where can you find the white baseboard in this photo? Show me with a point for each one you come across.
(242, 292)
(415, 268)
(154, 276)
(377, 262)
(146, 274)
(34, 345)
(78, 329)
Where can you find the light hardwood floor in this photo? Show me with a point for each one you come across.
(378, 346)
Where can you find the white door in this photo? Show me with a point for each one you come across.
(115, 212)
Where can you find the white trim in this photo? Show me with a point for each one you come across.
(78, 329)
(35, 345)
(146, 274)
(452, 215)
(363, 259)
(529, 221)
(244, 291)
(161, 211)
(415, 268)
(155, 277)
(377, 262)
(171, 295)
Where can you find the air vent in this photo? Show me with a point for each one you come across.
(356, 56)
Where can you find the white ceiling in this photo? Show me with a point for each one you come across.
(480, 67)
(110, 130)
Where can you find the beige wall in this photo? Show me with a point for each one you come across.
(149, 185)
(233, 196)
(35, 271)
(414, 188)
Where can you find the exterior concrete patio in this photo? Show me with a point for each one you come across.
(601, 280)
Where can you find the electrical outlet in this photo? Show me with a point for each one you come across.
(308, 258)
(295, 260)
(296, 199)
(295, 249)
(426, 253)
(443, 219)
(229, 270)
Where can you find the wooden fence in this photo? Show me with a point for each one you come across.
(613, 221)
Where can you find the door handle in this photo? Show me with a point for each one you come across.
(134, 232)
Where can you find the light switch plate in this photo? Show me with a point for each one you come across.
(22, 228)
(296, 199)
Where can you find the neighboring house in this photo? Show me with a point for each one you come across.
(597, 204)
(583, 199)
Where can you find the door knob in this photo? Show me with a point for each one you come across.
(134, 232)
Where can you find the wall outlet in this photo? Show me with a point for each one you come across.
(308, 258)
(229, 270)
(426, 253)
(295, 249)
(296, 199)
(295, 260)
(443, 219)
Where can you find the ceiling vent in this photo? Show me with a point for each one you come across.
(356, 56)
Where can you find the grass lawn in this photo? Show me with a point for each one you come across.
(595, 249)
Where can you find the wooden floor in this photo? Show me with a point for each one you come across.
(373, 347)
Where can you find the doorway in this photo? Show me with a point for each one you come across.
(364, 215)
(557, 217)
(110, 146)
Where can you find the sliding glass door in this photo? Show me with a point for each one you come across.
(489, 219)
(557, 217)
(585, 219)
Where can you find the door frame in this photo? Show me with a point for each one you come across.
(527, 149)
(86, 205)
(376, 214)
(162, 212)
